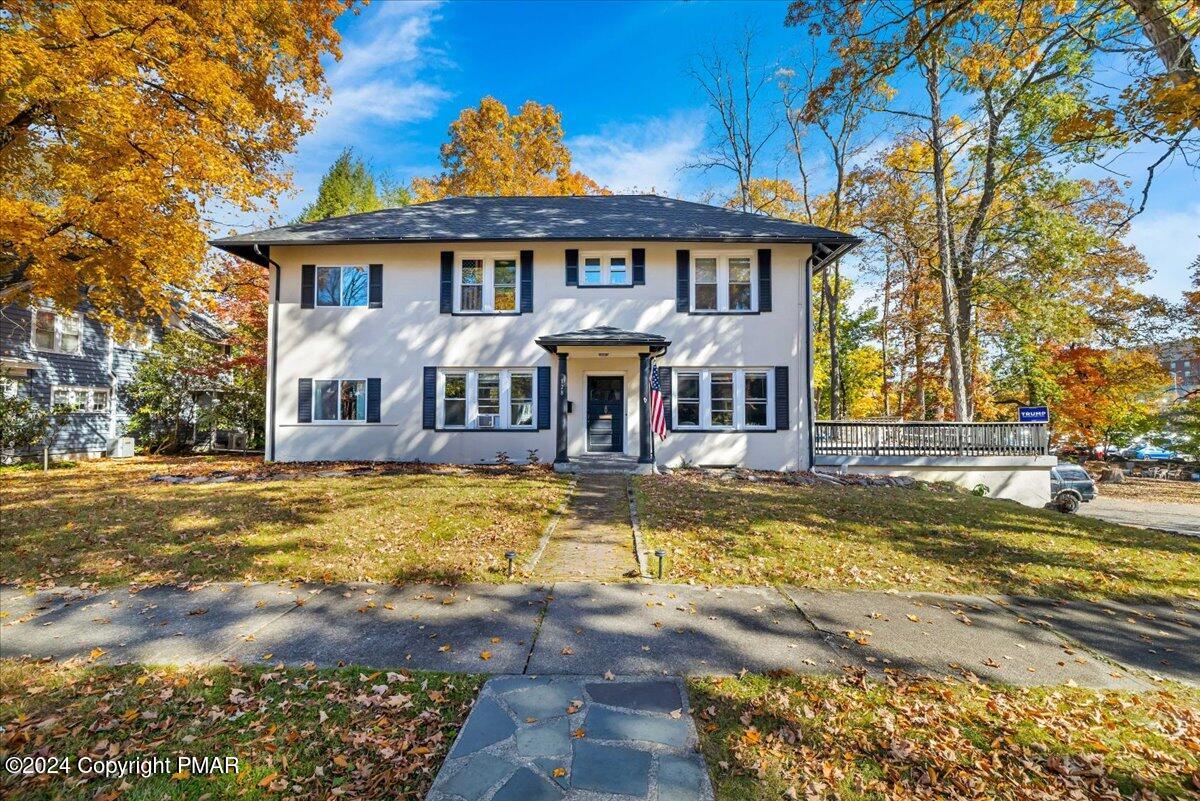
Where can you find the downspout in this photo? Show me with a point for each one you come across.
(810, 424)
(272, 349)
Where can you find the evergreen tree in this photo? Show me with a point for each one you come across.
(349, 187)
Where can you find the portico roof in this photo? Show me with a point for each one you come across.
(603, 336)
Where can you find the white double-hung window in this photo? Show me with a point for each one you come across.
(57, 332)
(485, 398)
(486, 284)
(741, 399)
(342, 285)
(724, 283)
(343, 399)
(604, 269)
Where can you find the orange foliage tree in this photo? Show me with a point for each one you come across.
(493, 152)
(123, 124)
(1106, 396)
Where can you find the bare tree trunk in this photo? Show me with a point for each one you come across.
(1170, 42)
(884, 321)
(954, 357)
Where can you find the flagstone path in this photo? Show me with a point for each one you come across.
(594, 539)
(534, 738)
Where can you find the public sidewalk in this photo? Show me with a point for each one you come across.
(572, 628)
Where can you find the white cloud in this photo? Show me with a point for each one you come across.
(378, 79)
(1170, 241)
(642, 155)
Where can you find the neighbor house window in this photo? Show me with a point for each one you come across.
(340, 399)
(724, 284)
(80, 399)
(605, 269)
(52, 331)
(342, 286)
(487, 285)
(485, 398)
(730, 399)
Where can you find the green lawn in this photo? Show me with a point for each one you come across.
(296, 733)
(105, 523)
(772, 738)
(881, 538)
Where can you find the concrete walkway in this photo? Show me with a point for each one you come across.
(594, 540)
(625, 628)
(1180, 518)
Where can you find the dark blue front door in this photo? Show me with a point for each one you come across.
(605, 414)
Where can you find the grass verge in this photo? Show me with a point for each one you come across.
(296, 733)
(838, 537)
(848, 738)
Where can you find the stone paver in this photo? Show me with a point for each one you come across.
(952, 635)
(625, 747)
(1161, 640)
(676, 629)
(594, 539)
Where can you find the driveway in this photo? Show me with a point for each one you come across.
(1182, 518)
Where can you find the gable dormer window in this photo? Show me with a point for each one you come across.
(486, 284)
(604, 269)
(343, 285)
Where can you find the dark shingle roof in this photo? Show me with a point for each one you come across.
(579, 217)
(602, 335)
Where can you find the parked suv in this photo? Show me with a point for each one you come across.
(1070, 485)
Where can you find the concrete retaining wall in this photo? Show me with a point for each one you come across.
(1020, 478)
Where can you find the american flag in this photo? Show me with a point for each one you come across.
(658, 418)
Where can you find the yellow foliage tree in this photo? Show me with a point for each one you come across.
(492, 152)
(122, 123)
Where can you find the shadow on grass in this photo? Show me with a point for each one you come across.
(109, 524)
(973, 544)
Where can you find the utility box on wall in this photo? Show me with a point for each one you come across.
(121, 448)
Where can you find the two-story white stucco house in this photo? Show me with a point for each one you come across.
(455, 330)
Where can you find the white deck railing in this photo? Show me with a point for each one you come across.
(861, 438)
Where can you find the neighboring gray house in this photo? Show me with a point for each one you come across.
(70, 359)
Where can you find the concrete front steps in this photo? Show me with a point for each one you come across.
(605, 464)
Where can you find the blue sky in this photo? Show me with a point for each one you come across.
(618, 73)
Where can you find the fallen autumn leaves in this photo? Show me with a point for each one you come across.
(770, 738)
(298, 733)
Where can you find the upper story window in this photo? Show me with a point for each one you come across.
(340, 399)
(344, 285)
(487, 285)
(736, 400)
(485, 398)
(604, 269)
(57, 332)
(724, 283)
(80, 399)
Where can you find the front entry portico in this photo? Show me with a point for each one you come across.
(603, 394)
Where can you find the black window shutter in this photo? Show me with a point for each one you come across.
(375, 287)
(304, 401)
(526, 281)
(543, 397)
(372, 400)
(683, 281)
(572, 262)
(664, 382)
(429, 403)
(308, 286)
(447, 281)
(639, 266)
(764, 279)
(781, 399)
